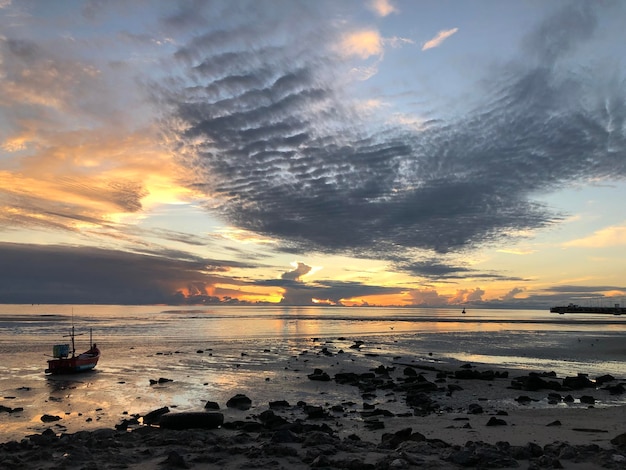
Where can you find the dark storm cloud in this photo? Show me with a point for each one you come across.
(434, 269)
(299, 293)
(271, 141)
(53, 274)
(583, 289)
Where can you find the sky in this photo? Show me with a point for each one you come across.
(429, 153)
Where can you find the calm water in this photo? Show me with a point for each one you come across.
(212, 353)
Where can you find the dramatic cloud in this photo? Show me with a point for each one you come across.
(261, 130)
(439, 38)
(267, 138)
(296, 274)
(90, 275)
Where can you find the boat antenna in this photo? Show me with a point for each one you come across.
(72, 334)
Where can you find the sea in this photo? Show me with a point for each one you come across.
(211, 353)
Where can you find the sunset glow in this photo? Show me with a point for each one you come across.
(322, 153)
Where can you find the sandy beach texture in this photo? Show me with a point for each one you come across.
(356, 410)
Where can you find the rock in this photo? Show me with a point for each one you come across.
(271, 420)
(11, 410)
(161, 380)
(579, 382)
(604, 378)
(474, 409)
(587, 399)
(349, 378)
(554, 423)
(554, 398)
(153, 416)
(315, 412)
(377, 412)
(45, 438)
(240, 402)
(421, 403)
(174, 460)
(533, 382)
(620, 440)
(50, 418)
(211, 405)
(285, 436)
(615, 389)
(319, 374)
(493, 421)
(391, 441)
(523, 400)
(191, 420)
(279, 404)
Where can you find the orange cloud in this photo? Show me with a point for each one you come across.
(609, 236)
(363, 44)
(382, 7)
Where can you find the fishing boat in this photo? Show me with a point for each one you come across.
(65, 360)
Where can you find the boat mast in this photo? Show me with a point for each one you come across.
(73, 345)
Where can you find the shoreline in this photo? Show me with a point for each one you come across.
(355, 402)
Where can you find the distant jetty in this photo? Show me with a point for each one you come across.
(573, 308)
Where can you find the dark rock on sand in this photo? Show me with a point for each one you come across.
(271, 420)
(587, 399)
(615, 389)
(421, 403)
(315, 412)
(604, 379)
(620, 440)
(482, 455)
(533, 382)
(578, 383)
(474, 409)
(191, 420)
(9, 410)
(319, 374)
(161, 380)
(50, 418)
(153, 416)
(393, 440)
(211, 405)
(279, 404)
(174, 460)
(493, 421)
(240, 402)
(523, 400)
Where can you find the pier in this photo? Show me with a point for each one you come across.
(573, 308)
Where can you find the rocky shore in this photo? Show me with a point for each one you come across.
(399, 414)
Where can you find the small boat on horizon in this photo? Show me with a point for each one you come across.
(67, 362)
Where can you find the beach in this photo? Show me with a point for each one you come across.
(334, 404)
(392, 400)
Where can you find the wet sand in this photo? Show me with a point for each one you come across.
(447, 414)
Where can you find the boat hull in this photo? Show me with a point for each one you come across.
(72, 365)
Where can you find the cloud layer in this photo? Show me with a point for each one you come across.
(273, 138)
